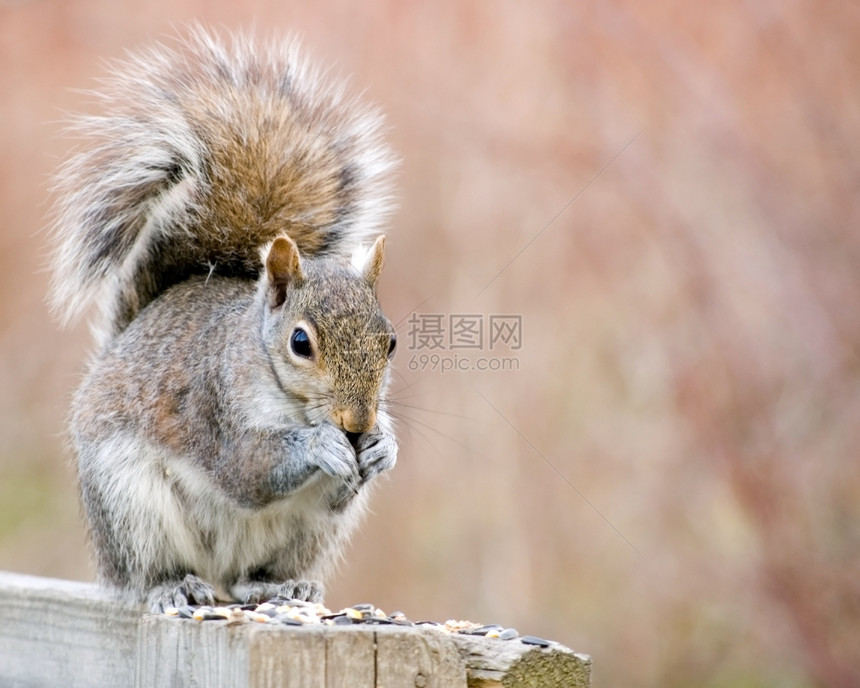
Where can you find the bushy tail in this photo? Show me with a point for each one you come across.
(207, 152)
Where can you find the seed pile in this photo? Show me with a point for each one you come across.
(288, 612)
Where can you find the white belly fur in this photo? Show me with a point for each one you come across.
(177, 518)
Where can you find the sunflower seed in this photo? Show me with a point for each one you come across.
(534, 640)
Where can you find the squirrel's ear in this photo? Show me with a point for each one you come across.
(375, 259)
(283, 267)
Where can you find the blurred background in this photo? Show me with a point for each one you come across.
(662, 468)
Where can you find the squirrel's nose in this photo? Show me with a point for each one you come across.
(354, 420)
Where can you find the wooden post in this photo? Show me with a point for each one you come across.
(75, 635)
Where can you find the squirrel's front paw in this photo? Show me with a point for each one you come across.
(178, 593)
(377, 452)
(331, 451)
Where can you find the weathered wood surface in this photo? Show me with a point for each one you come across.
(61, 633)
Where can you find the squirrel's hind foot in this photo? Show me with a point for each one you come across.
(178, 593)
(255, 592)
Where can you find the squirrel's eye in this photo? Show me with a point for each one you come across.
(392, 345)
(300, 343)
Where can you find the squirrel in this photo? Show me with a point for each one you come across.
(224, 220)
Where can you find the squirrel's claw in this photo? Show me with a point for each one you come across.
(376, 452)
(178, 593)
(331, 451)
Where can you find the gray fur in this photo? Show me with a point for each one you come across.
(211, 457)
(208, 150)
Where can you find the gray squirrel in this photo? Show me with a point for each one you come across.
(222, 218)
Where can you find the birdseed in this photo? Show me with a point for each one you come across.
(286, 612)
